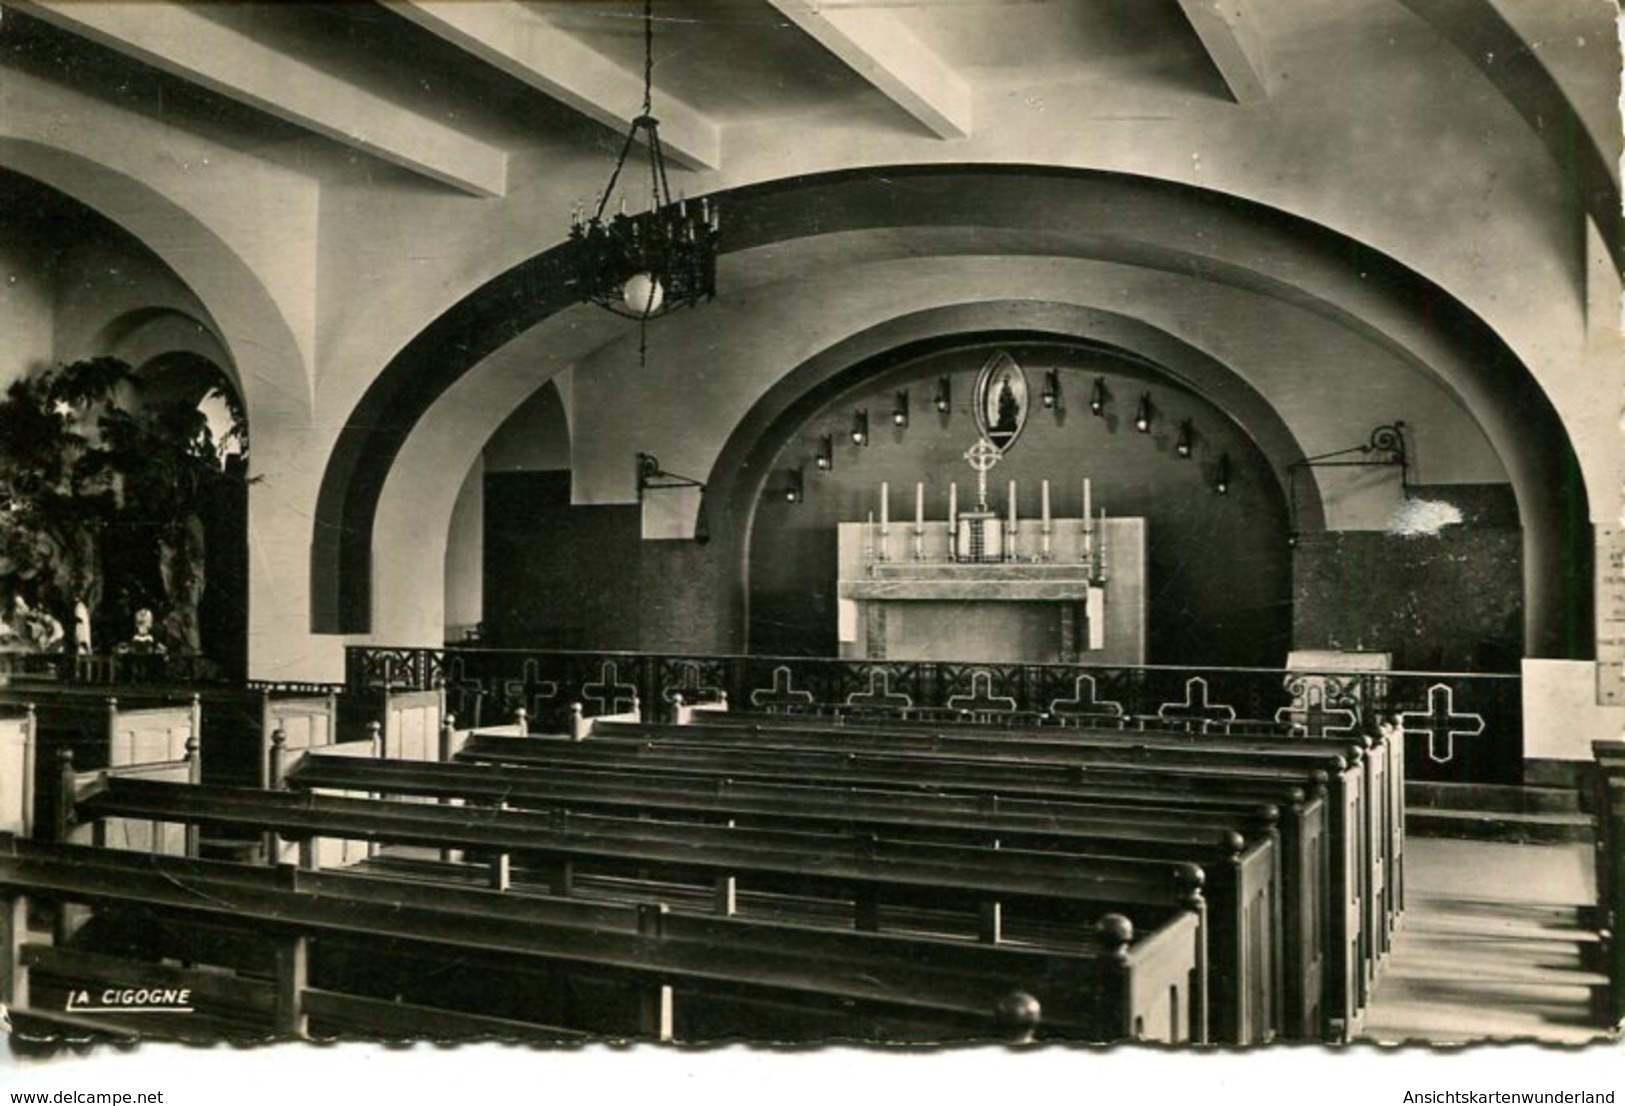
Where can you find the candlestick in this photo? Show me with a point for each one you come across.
(1100, 569)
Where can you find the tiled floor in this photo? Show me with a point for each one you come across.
(1491, 948)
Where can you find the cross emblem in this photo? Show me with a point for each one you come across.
(781, 694)
(543, 693)
(981, 697)
(606, 692)
(1441, 723)
(691, 686)
(981, 456)
(1085, 701)
(880, 693)
(1309, 716)
(1196, 707)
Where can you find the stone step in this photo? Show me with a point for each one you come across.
(1523, 829)
(1491, 798)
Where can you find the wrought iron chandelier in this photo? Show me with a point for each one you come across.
(646, 264)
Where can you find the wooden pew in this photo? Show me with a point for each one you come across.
(410, 721)
(17, 753)
(101, 732)
(980, 884)
(1607, 802)
(343, 944)
(1236, 843)
(1383, 764)
(1363, 837)
(1343, 994)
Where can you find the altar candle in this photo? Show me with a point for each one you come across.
(1044, 503)
(919, 507)
(953, 505)
(1012, 506)
(884, 497)
(1086, 511)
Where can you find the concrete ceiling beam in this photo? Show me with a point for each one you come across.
(881, 48)
(524, 45)
(180, 41)
(1229, 32)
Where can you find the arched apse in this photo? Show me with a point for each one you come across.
(1018, 209)
(1219, 565)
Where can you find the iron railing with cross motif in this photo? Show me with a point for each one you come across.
(1460, 726)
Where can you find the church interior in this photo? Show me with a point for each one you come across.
(876, 519)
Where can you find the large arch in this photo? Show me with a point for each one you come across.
(263, 359)
(1439, 332)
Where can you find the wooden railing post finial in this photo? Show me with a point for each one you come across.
(67, 785)
(279, 759)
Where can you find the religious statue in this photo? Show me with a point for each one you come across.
(142, 643)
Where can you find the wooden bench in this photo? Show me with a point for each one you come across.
(17, 752)
(1607, 803)
(1380, 801)
(1361, 837)
(99, 732)
(1238, 846)
(1342, 994)
(1383, 763)
(345, 949)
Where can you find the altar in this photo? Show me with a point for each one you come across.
(985, 584)
(905, 594)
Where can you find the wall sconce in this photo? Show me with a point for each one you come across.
(825, 460)
(944, 397)
(1142, 414)
(899, 412)
(653, 478)
(1051, 395)
(860, 427)
(1097, 398)
(1221, 475)
(1384, 446)
(1187, 435)
(796, 490)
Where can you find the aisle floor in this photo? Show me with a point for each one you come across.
(1492, 948)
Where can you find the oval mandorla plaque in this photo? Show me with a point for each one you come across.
(1000, 403)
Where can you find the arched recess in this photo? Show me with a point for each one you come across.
(1199, 609)
(142, 336)
(261, 356)
(265, 356)
(1438, 331)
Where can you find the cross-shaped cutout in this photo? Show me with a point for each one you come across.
(1441, 723)
(691, 686)
(781, 694)
(1196, 707)
(981, 697)
(880, 693)
(1309, 716)
(607, 691)
(1085, 700)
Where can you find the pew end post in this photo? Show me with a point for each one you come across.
(1018, 1016)
(1116, 933)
